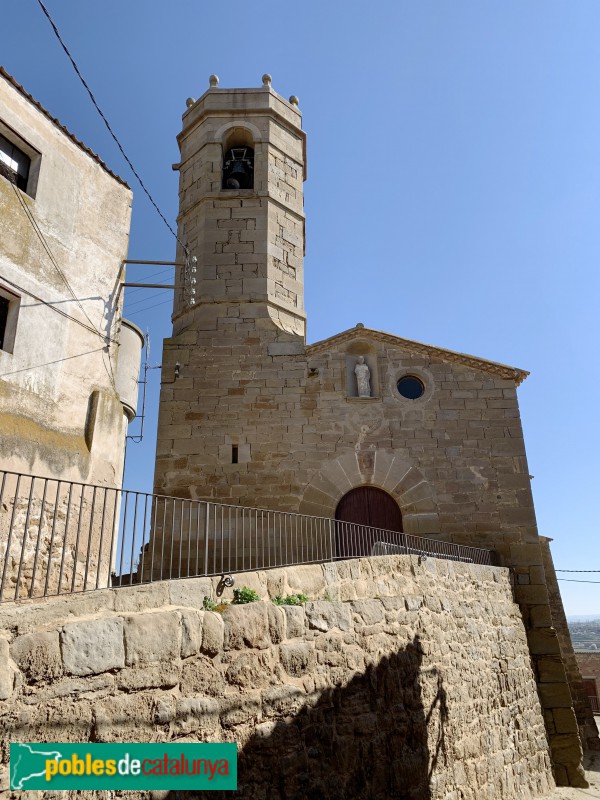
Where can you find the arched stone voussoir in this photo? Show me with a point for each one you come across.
(327, 487)
(411, 478)
(334, 472)
(417, 494)
(314, 496)
(389, 470)
(395, 475)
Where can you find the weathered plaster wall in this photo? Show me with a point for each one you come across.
(413, 680)
(60, 414)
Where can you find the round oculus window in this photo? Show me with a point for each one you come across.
(410, 387)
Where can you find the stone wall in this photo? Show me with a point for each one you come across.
(401, 677)
(454, 460)
(588, 731)
(55, 537)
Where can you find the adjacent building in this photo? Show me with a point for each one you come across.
(69, 363)
(589, 666)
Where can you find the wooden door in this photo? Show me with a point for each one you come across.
(368, 506)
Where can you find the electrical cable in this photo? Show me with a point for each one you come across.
(141, 310)
(109, 371)
(143, 300)
(57, 310)
(154, 275)
(50, 254)
(107, 338)
(49, 363)
(110, 130)
(577, 570)
(574, 580)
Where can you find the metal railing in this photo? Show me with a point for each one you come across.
(59, 537)
(595, 704)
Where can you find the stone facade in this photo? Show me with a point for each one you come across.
(400, 677)
(252, 415)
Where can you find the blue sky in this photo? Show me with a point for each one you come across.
(453, 191)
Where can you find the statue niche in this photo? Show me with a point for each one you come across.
(361, 372)
(363, 377)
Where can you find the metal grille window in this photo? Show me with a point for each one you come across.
(14, 164)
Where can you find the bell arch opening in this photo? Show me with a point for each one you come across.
(238, 160)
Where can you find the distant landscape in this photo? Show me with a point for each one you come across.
(585, 631)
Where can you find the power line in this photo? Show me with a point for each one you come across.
(577, 570)
(154, 274)
(109, 370)
(49, 363)
(46, 246)
(574, 580)
(57, 310)
(141, 310)
(110, 130)
(145, 299)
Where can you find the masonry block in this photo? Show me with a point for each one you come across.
(89, 648)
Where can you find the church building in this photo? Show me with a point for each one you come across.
(364, 427)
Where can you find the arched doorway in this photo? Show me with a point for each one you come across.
(365, 506)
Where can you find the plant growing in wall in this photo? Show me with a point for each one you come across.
(210, 605)
(244, 595)
(290, 599)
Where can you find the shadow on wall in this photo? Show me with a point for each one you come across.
(373, 739)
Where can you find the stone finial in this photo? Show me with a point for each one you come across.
(359, 325)
(294, 100)
(266, 79)
(189, 102)
(213, 81)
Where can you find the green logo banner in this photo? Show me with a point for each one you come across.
(51, 765)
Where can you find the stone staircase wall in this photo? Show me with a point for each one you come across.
(400, 677)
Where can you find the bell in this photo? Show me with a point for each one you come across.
(238, 177)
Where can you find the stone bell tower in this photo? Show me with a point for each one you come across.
(241, 218)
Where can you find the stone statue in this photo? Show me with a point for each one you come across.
(363, 375)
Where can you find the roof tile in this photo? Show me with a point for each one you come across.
(59, 125)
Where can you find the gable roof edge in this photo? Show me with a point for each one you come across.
(493, 367)
(9, 78)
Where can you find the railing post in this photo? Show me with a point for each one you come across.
(206, 528)
(331, 539)
(9, 540)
